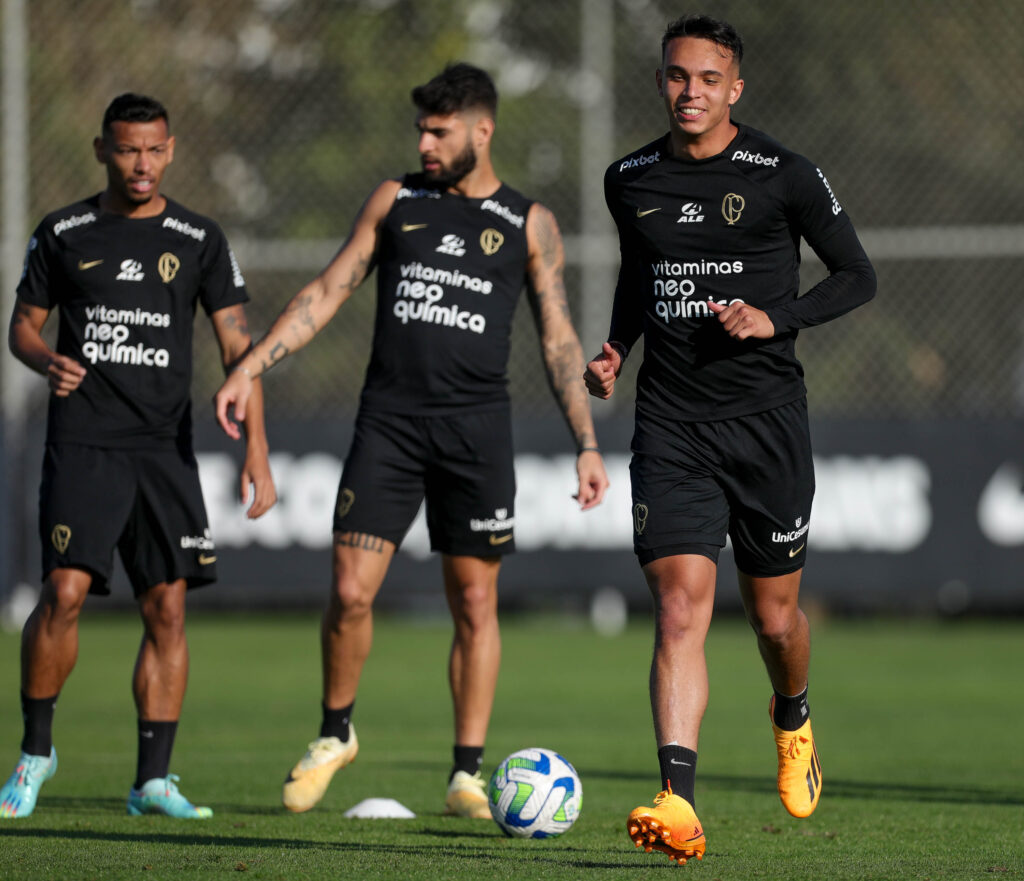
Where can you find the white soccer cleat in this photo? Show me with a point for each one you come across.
(308, 780)
(467, 797)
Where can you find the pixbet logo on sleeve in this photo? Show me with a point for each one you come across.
(638, 161)
(755, 158)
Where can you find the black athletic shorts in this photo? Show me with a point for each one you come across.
(146, 503)
(751, 477)
(461, 464)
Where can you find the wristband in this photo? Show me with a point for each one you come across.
(244, 370)
(583, 450)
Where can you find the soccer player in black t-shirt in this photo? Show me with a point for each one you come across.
(125, 270)
(710, 217)
(453, 247)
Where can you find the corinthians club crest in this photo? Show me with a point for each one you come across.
(640, 512)
(732, 207)
(168, 266)
(61, 537)
(490, 241)
(345, 501)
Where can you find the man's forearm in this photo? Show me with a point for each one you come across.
(292, 329)
(30, 348)
(564, 363)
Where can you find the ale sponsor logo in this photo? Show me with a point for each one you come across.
(691, 213)
(452, 244)
(131, 270)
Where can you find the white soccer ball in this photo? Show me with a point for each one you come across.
(535, 793)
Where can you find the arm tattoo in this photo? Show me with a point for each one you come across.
(360, 540)
(565, 368)
(307, 312)
(563, 357)
(300, 311)
(546, 276)
(21, 313)
(548, 240)
(234, 319)
(551, 297)
(563, 360)
(361, 270)
(278, 353)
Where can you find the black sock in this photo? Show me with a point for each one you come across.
(467, 758)
(156, 741)
(678, 769)
(790, 712)
(38, 716)
(335, 722)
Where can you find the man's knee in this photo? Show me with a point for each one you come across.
(683, 588)
(63, 594)
(475, 603)
(678, 612)
(359, 566)
(774, 621)
(163, 610)
(351, 597)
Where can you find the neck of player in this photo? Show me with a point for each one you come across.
(704, 145)
(480, 183)
(113, 203)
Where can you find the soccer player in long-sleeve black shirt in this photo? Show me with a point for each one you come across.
(710, 218)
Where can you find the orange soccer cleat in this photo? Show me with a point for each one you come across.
(799, 769)
(670, 826)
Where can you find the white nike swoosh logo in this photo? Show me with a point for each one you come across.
(674, 762)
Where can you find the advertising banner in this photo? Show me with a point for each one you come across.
(916, 516)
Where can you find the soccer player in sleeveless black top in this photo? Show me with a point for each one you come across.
(125, 270)
(710, 217)
(453, 247)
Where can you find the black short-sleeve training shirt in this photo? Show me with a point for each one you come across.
(126, 292)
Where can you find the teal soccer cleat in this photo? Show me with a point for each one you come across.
(160, 796)
(18, 797)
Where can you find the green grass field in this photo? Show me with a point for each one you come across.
(920, 727)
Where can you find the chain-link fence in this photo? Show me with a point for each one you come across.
(287, 112)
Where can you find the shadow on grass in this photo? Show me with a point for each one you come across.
(457, 833)
(183, 838)
(107, 805)
(388, 850)
(891, 791)
(420, 765)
